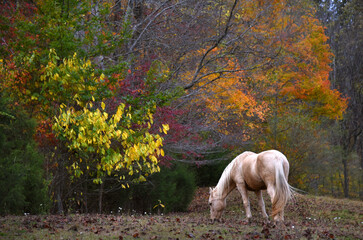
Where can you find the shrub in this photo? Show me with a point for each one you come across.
(172, 187)
(208, 175)
(22, 187)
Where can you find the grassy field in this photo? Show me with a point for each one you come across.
(308, 218)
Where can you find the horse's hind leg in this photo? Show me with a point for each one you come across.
(246, 203)
(261, 203)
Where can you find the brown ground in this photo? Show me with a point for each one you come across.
(308, 218)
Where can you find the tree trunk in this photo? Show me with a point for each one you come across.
(332, 184)
(85, 194)
(346, 177)
(59, 201)
(100, 196)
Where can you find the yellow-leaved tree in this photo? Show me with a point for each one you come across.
(100, 137)
(101, 140)
(106, 144)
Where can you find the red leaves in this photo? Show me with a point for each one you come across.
(133, 83)
(44, 134)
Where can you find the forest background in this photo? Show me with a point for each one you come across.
(129, 105)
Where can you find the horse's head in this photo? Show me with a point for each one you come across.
(217, 205)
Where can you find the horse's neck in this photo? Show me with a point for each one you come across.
(224, 190)
(225, 185)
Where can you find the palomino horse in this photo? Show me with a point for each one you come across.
(254, 172)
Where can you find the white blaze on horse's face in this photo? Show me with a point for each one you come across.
(217, 205)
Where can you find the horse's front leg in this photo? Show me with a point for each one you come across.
(246, 203)
(261, 203)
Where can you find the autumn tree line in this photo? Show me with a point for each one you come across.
(122, 105)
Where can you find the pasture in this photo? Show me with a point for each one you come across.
(309, 217)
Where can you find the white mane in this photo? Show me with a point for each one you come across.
(225, 178)
(224, 181)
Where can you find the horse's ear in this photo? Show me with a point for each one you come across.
(210, 190)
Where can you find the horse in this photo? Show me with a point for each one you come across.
(254, 172)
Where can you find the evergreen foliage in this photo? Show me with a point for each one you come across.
(174, 188)
(170, 190)
(208, 175)
(22, 186)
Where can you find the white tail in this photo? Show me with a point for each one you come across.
(283, 191)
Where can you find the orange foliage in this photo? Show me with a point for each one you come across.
(227, 95)
(304, 73)
(230, 95)
(297, 76)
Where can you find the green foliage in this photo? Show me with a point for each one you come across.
(58, 81)
(208, 175)
(22, 183)
(169, 190)
(305, 144)
(67, 27)
(173, 187)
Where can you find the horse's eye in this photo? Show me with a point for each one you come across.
(210, 204)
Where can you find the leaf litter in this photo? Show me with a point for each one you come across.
(308, 217)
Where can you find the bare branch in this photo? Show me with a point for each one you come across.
(215, 45)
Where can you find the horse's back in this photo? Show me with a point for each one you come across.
(272, 153)
(257, 170)
(268, 161)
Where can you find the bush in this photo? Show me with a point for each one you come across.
(22, 187)
(209, 175)
(173, 187)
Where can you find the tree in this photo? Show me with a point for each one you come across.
(40, 80)
(344, 28)
(240, 63)
(294, 74)
(90, 133)
(348, 78)
(23, 188)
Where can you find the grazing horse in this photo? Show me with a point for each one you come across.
(254, 172)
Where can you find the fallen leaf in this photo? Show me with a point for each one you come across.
(190, 235)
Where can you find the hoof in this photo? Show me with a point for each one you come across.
(279, 225)
(212, 221)
(246, 221)
(266, 222)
